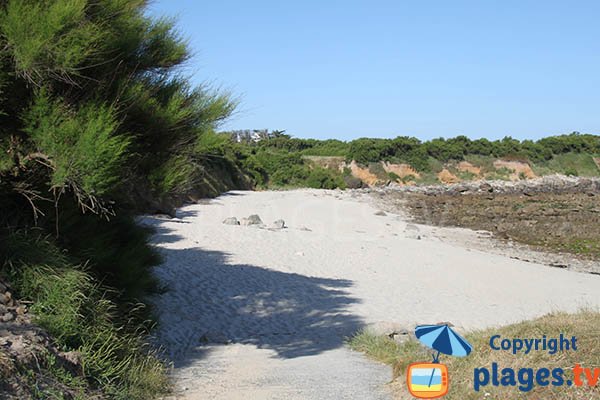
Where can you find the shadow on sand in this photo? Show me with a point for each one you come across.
(209, 298)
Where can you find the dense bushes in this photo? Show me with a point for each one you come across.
(97, 123)
(415, 152)
(419, 154)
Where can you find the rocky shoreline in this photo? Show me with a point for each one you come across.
(546, 184)
(553, 220)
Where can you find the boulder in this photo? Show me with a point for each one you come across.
(279, 224)
(252, 220)
(231, 221)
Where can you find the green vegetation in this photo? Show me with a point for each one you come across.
(585, 325)
(97, 124)
(275, 159)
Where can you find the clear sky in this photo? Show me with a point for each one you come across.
(348, 69)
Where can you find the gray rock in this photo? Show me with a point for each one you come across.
(252, 220)
(380, 213)
(214, 337)
(279, 224)
(231, 221)
(486, 187)
(411, 231)
(255, 219)
(5, 298)
(392, 330)
(7, 317)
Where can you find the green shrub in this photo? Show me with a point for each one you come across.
(72, 307)
(323, 178)
(393, 176)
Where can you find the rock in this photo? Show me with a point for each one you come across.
(486, 187)
(252, 220)
(279, 224)
(392, 330)
(231, 221)
(411, 231)
(214, 337)
(381, 213)
(255, 220)
(5, 298)
(21, 310)
(7, 317)
(73, 357)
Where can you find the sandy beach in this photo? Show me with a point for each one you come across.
(253, 312)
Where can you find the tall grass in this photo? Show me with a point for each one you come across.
(77, 311)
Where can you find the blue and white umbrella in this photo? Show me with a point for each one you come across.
(443, 339)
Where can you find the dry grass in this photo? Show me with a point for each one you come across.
(585, 325)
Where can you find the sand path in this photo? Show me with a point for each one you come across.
(286, 299)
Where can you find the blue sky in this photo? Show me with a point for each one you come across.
(348, 69)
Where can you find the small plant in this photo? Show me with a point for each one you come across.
(522, 176)
(571, 172)
(394, 177)
(409, 178)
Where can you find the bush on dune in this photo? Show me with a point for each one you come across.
(97, 123)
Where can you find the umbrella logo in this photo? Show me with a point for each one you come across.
(429, 380)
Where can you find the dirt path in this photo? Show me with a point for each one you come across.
(283, 300)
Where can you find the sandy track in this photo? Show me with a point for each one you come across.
(286, 299)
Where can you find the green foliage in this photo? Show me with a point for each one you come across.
(80, 145)
(323, 178)
(49, 39)
(377, 169)
(573, 163)
(70, 304)
(97, 123)
(431, 156)
(173, 176)
(393, 176)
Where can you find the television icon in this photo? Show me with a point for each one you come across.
(427, 380)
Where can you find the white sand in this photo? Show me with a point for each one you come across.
(288, 298)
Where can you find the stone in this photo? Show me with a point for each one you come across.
(411, 231)
(486, 187)
(279, 224)
(5, 298)
(214, 337)
(392, 330)
(231, 221)
(73, 357)
(7, 317)
(380, 213)
(254, 220)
